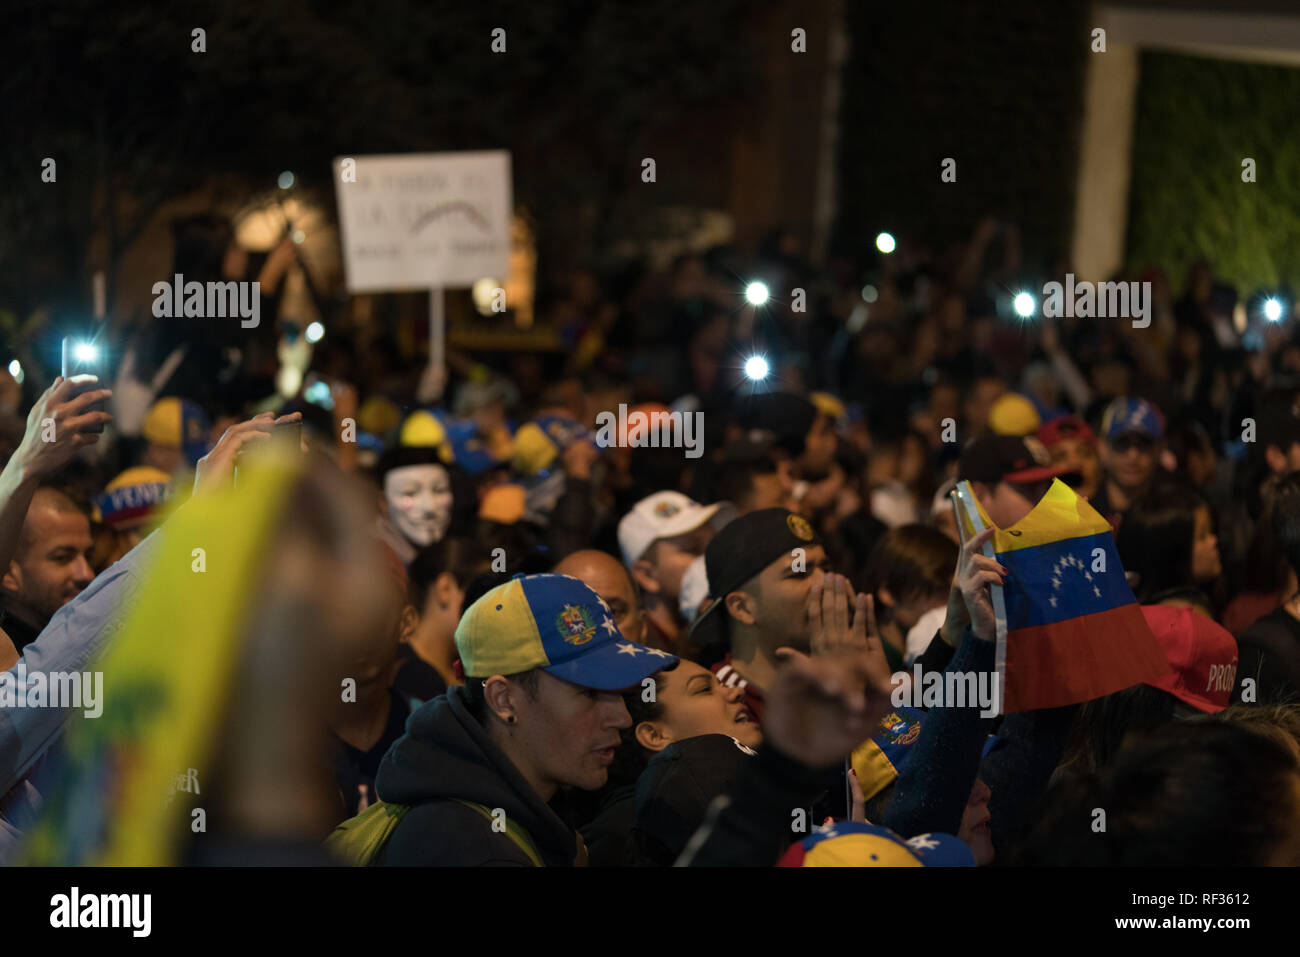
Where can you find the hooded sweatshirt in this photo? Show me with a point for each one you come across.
(445, 757)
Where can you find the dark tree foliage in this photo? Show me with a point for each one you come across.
(133, 117)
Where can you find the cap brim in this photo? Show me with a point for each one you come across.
(709, 630)
(1040, 474)
(611, 667)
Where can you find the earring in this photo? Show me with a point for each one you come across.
(510, 719)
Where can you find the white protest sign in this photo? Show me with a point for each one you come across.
(424, 220)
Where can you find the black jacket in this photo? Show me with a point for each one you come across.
(446, 755)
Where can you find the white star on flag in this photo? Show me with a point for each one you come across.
(657, 653)
(1056, 583)
(1096, 591)
(609, 626)
(628, 650)
(923, 842)
(1052, 601)
(601, 602)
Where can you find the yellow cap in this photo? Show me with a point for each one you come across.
(1013, 414)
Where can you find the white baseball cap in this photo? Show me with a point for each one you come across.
(664, 515)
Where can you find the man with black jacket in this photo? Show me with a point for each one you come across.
(544, 662)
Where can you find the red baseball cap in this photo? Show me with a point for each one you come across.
(1202, 654)
(1065, 427)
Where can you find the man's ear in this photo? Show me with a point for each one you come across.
(653, 736)
(13, 578)
(643, 574)
(885, 597)
(446, 589)
(409, 621)
(500, 696)
(740, 606)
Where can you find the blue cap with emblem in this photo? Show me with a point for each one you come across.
(555, 623)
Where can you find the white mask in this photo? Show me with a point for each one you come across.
(419, 502)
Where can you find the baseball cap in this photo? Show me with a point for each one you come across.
(177, 423)
(740, 551)
(880, 759)
(1065, 427)
(558, 624)
(1201, 653)
(851, 844)
(1008, 458)
(663, 515)
(1132, 415)
(539, 442)
(674, 791)
(131, 499)
(1013, 414)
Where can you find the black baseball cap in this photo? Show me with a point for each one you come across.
(1009, 458)
(742, 549)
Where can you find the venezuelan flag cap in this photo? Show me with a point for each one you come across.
(177, 423)
(880, 759)
(131, 499)
(850, 844)
(555, 623)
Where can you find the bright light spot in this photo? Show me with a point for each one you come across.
(870, 293)
(1273, 310)
(299, 236)
(285, 180)
(756, 368)
(85, 352)
(756, 293)
(318, 393)
(484, 294)
(16, 370)
(315, 332)
(1024, 305)
(885, 243)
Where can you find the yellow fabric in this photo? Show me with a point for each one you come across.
(534, 450)
(874, 770)
(167, 679)
(498, 634)
(827, 404)
(1059, 514)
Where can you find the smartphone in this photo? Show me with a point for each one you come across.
(290, 433)
(81, 357)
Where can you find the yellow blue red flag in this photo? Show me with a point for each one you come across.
(1069, 628)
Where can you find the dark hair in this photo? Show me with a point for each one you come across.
(1285, 522)
(476, 695)
(483, 583)
(1281, 722)
(1203, 792)
(459, 557)
(1155, 541)
(1101, 726)
(630, 759)
(911, 561)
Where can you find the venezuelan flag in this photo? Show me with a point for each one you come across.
(1069, 628)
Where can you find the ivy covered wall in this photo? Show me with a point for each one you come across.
(1196, 120)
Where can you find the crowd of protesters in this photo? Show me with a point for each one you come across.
(556, 647)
